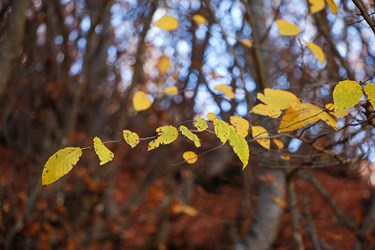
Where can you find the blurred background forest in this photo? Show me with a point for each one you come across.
(68, 70)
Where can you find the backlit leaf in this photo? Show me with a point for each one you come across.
(370, 92)
(266, 110)
(60, 163)
(317, 51)
(172, 90)
(259, 132)
(190, 157)
(201, 124)
(303, 114)
(337, 113)
(199, 19)
(211, 116)
(346, 94)
(167, 22)
(130, 138)
(317, 5)
(141, 101)
(226, 90)
(241, 125)
(105, 155)
(247, 43)
(287, 28)
(190, 135)
(279, 143)
(221, 129)
(239, 145)
(277, 98)
(163, 64)
(333, 6)
(166, 135)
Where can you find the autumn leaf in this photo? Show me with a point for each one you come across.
(241, 125)
(333, 6)
(60, 163)
(258, 132)
(316, 5)
(279, 143)
(277, 98)
(190, 157)
(239, 146)
(105, 155)
(247, 43)
(141, 101)
(287, 28)
(167, 23)
(317, 51)
(346, 94)
(166, 135)
(337, 113)
(221, 129)
(184, 209)
(131, 138)
(201, 124)
(266, 110)
(163, 64)
(171, 91)
(226, 90)
(369, 90)
(211, 116)
(199, 19)
(190, 135)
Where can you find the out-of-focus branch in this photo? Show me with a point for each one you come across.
(350, 224)
(365, 14)
(11, 43)
(367, 226)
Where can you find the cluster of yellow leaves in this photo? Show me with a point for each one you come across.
(318, 5)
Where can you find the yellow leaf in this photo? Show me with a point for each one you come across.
(184, 209)
(317, 5)
(190, 157)
(247, 43)
(266, 110)
(317, 51)
(337, 113)
(59, 164)
(333, 6)
(172, 90)
(190, 135)
(141, 101)
(211, 116)
(199, 19)
(163, 64)
(166, 135)
(226, 90)
(241, 125)
(130, 138)
(287, 29)
(167, 22)
(346, 94)
(239, 145)
(279, 201)
(200, 124)
(303, 114)
(285, 157)
(260, 132)
(277, 98)
(279, 143)
(370, 92)
(105, 155)
(221, 129)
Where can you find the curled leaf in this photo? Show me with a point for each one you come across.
(190, 135)
(105, 155)
(259, 132)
